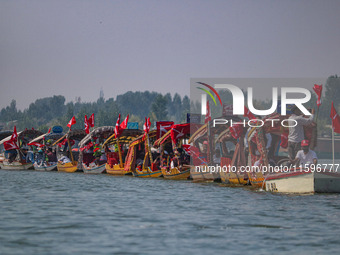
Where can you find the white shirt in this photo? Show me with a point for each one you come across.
(306, 159)
(296, 133)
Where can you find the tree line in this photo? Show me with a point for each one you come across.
(51, 111)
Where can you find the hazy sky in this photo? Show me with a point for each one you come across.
(74, 48)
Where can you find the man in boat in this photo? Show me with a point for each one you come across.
(51, 157)
(306, 157)
(296, 134)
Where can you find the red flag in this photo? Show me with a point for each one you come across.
(120, 128)
(117, 126)
(49, 131)
(87, 126)
(248, 114)
(208, 114)
(163, 127)
(10, 145)
(72, 122)
(14, 136)
(91, 120)
(36, 144)
(236, 130)
(124, 124)
(335, 120)
(178, 131)
(318, 90)
(147, 125)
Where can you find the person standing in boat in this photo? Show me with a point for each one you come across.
(306, 157)
(296, 134)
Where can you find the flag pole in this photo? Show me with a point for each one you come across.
(333, 144)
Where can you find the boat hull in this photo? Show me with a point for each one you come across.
(45, 167)
(203, 175)
(15, 165)
(147, 173)
(94, 170)
(176, 174)
(303, 182)
(67, 167)
(116, 170)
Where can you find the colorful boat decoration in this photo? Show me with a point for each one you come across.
(68, 152)
(140, 160)
(118, 147)
(171, 152)
(92, 156)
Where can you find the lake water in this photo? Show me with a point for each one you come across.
(63, 213)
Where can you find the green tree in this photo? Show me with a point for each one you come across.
(159, 108)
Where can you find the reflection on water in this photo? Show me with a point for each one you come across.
(61, 213)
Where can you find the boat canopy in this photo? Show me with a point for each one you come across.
(28, 134)
(102, 132)
(47, 136)
(126, 137)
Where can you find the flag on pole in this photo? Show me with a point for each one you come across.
(179, 131)
(208, 114)
(120, 128)
(49, 130)
(10, 145)
(72, 122)
(124, 124)
(335, 120)
(318, 90)
(14, 136)
(146, 126)
(87, 126)
(163, 127)
(91, 120)
(36, 144)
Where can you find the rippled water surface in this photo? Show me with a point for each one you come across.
(62, 213)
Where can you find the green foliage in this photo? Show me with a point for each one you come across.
(50, 111)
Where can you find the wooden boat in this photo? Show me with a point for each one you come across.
(20, 163)
(75, 135)
(116, 166)
(180, 133)
(147, 169)
(93, 169)
(45, 166)
(303, 181)
(47, 139)
(89, 163)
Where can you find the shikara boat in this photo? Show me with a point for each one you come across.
(172, 140)
(47, 139)
(70, 151)
(87, 159)
(138, 147)
(115, 159)
(21, 162)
